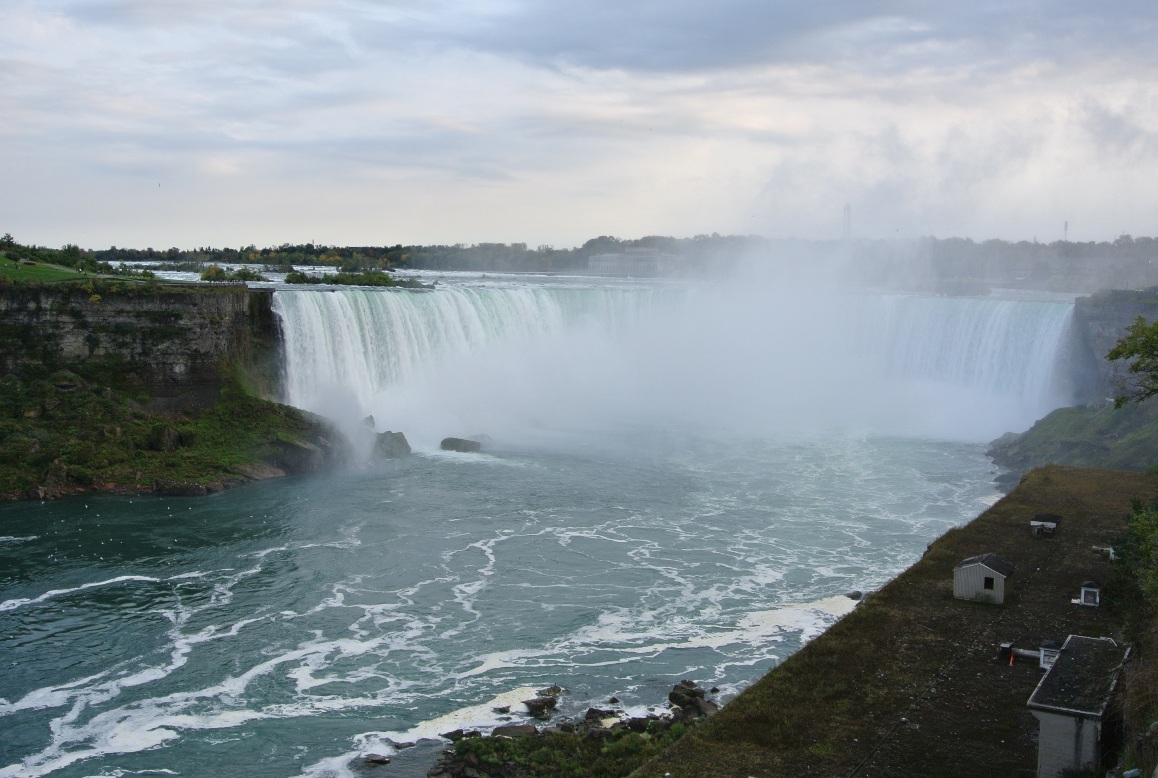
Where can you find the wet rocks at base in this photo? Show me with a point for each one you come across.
(689, 703)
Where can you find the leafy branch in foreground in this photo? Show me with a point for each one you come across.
(1139, 550)
(1140, 344)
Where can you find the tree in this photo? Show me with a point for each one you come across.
(1140, 344)
(1139, 549)
(213, 273)
(69, 255)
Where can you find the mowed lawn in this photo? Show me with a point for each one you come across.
(37, 272)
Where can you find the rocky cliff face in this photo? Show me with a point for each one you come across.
(173, 342)
(1099, 321)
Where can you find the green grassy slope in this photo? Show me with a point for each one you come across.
(41, 272)
(1125, 438)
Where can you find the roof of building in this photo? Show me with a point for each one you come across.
(992, 561)
(1047, 518)
(1082, 679)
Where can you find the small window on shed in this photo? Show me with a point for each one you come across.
(988, 582)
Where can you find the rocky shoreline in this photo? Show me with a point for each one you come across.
(1093, 435)
(540, 742)
(475, 755)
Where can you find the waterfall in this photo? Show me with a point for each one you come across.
(523, 358)
(1004, 347)
(353, 345)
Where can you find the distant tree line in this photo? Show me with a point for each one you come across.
(964, 266)
(951, 265)
(70, 255)
(478, 257)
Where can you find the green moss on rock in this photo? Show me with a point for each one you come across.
(63, 434)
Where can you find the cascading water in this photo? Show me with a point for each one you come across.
(995, 364)
(365, 341)
(547, 357)
(1002, 346)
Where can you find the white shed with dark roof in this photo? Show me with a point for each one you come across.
(1070, 704)
(981, 578)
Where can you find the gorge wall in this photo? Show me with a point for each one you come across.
(174, 343)
(1099, 320)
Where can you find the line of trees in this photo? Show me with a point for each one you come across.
(995, 262)
(479, 256)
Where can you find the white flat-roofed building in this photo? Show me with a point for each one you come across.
(1070, 705)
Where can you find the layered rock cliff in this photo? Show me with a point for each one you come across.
(171, 342)
(144, 388)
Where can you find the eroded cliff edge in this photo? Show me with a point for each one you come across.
(122, 387)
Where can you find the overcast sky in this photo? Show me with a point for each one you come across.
(227, 122)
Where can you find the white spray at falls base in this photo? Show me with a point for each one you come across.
(533, 362)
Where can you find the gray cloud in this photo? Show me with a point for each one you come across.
(1116, 132)
(629, 116)
(690, 34)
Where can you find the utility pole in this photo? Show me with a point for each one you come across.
(847, 221)
(1066, 232)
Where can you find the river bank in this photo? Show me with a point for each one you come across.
(910, 683)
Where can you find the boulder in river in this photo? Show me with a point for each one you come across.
(462, 445)
(390, 445)
(539, 706)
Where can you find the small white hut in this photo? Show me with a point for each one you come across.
(981, 578)
(1091, 594)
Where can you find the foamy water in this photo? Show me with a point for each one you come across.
(286, 628)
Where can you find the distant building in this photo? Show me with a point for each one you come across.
(640, 262)
(981, 578)
(1070, 705)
